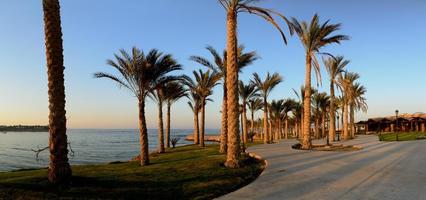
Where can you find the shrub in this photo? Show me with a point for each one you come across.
(174, 141)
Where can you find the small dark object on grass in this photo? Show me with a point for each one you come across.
(174, 141)
(296, 146)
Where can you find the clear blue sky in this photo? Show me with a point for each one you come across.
(386, 49)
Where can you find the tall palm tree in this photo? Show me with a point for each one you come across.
(313, 36)
(246, 92)
(203, 85)
(173, 91)
(232, 8)
(254, 105)
(141, 74)
(219, 65)
(265, 87)
(346, 81)
(335, 66)
(59, 167)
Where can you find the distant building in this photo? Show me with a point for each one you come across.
(405, 123)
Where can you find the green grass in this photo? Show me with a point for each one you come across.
(188, 172)
(402, 136)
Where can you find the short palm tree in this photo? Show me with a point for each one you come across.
(358, 102)
(335, 66)
(265, 87)
(219, 66)
(313, 36)
(246, 92)
(232, 8)
(195, 105)
(173, 91)
(141, 74)
(254, 104)
(203, 85)
(320, 102)
(276, 108)
(59, 171)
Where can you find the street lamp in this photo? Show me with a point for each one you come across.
(396, 123)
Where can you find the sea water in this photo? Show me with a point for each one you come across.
(90, 146)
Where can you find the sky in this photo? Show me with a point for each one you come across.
(386, 48)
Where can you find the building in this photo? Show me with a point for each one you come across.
(404, 123)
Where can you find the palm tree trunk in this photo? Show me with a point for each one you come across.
(332, 123)
(265, 121)
(286, 128)
(196, 127)
(345, 121)
(233, 153)
(277, 130)
(203, 119)
(224, 129)
(306, 142)
(168, 125)
(245, 127)
(317, 131)
(160, 147)
(143, 134)
(252, 121)
(352, 121)
(59, 168)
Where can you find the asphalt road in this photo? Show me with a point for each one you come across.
(381, 170)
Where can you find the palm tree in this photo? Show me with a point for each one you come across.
(288, 106)
(141, 74)
(265, 87)
(246, 92)
(203, 86)
(346, 81)
(59, 171)
(195, 105)
(297, 113)
(335, 66)
(158, 95)
(320, 102)
(173, 91)
(244, 59)
(254, 105)
(313, 36)
(358, 103)
(232, 8)
(276, 109)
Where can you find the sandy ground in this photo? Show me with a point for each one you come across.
(381, 170)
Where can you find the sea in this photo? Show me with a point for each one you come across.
(89, 146)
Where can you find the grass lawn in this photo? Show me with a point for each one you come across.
(402, 136)
(188, 172)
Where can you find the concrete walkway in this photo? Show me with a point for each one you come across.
(381, 170)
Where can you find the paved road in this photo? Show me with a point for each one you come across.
(381, 170)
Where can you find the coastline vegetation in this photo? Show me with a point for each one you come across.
(24, 128)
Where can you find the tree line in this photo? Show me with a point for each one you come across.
(152, 75)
